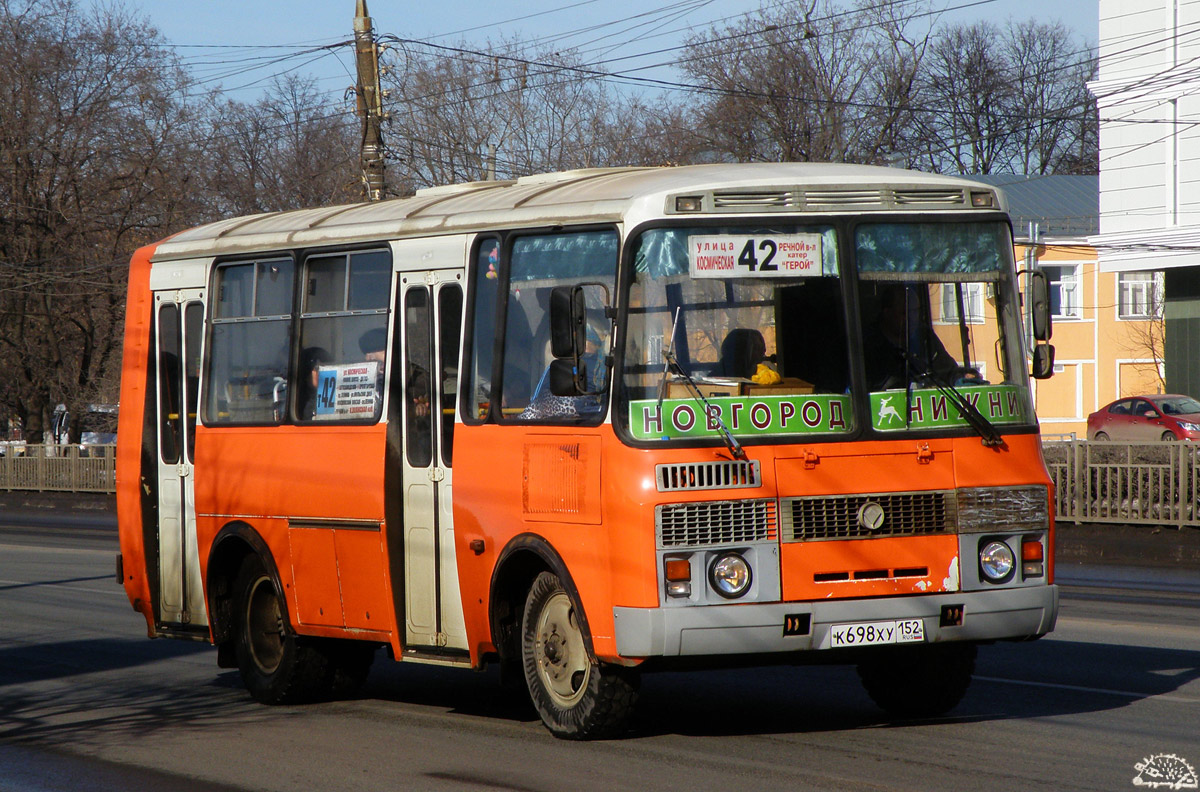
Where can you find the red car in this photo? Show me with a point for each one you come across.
(1147, 419)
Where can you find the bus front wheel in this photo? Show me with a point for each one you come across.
(919, 681)
(277, 666)
(577, 698)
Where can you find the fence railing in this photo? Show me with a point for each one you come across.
(65, 468)
(1148, 484)
(1151, 484)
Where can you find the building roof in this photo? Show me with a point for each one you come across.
(1062, 206)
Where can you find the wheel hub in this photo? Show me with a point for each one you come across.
(562, 660)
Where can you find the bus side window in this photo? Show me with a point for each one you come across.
(251, 327)
(538, 264)
(477, 379)
(450, 301)
(343, 337)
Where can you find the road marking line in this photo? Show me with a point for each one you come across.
(44, 549)
(1082, 689)
(40, 584)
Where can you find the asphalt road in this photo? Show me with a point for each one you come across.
(88, 703)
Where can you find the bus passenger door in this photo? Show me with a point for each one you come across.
(180, 326)
(431, 307)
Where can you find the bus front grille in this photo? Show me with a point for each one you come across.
(727, 474)
(710, 523)
(851, 516)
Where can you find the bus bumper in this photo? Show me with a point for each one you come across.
(760, 628)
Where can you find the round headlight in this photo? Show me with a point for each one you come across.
(997, 561)
(730, 575)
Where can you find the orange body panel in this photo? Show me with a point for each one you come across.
(139, 315)
(279, 481)
(614, 563)
(610, 560)
(848, 468)
(802, 561)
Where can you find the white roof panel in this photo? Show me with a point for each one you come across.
(595, 194)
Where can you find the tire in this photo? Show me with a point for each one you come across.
(277, 666)
(576, 697)
(921, 681)
(349, 666)
(1169, 437)
(1101, 437)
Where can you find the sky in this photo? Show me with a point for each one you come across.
(209, 34)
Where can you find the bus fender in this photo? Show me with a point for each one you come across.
(519, 563)
(232, 544)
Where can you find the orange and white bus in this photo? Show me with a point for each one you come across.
(591, 424)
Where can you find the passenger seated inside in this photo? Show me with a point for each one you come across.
(741, 352)
(311, 360)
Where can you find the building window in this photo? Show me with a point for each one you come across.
(1140, 295)
(972, 300)
(1064, 291)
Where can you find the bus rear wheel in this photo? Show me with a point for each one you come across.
(576, 697)
(919, 681)
(277, 666)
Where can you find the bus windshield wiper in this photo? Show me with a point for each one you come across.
(970, 413)
(735, 448)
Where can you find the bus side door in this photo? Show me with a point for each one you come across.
(179, 317)
(430, 309)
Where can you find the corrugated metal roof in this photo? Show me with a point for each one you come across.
(1062, 206)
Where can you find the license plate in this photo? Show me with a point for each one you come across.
(875, 633)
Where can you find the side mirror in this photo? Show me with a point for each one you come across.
(1039, 296)
(1151, 415)
(567, 313)
(571, 309)
(1043, 361)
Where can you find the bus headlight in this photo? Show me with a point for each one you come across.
(730, 575)
(996, 561)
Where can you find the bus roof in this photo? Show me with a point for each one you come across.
(588, 195)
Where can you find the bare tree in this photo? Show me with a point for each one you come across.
(1049, 95)
(808, 82)
(541, 112)
(967, 89)
(89, 108)
(292, 148)
(1008, 100)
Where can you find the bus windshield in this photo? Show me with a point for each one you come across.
(757, 318)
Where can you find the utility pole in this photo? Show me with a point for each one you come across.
(369, 103)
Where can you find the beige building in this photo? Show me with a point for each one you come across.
(1108, 328)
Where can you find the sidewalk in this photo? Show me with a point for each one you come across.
(1127, 545)
(45, 507)
(1115, 545)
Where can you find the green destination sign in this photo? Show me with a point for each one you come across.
(744, 416)
(930, 409)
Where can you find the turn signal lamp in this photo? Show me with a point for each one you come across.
(1033, 557)
(679, 569)
(678, 573)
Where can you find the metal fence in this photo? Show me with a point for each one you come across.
(1148, 484)
(64, 468)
